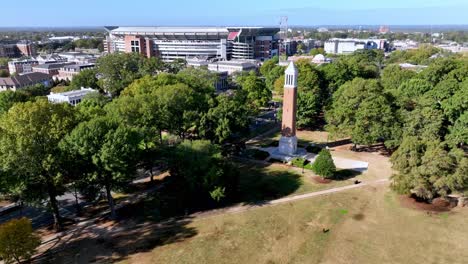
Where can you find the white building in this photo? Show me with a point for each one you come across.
(21, 66)
(405, 44)
(348, 46)
(232, 66)
(63, 39)
(453, 47)
(71, 97)
(50, 58)
(78, 57)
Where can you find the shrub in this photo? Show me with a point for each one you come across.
(17, 240)
(324, 165)
(313, 149)
(308, 166)
(298, 162)
(256, 154)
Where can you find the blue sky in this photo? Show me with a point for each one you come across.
(236, 12)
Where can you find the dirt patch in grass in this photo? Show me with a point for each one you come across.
(359, 217)
(321, 180)
(438, 205)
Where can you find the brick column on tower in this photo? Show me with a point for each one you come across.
(288, 141)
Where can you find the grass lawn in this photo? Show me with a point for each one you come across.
(264, 182)
(365, 226)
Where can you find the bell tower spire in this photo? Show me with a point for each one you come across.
(288, 141)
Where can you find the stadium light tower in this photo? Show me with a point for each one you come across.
(283, 56)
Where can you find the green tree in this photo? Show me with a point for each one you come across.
(424, 168)
(152, 66)
(92, 106)
(176, 66)
(4, 61)
(444, 89)
(457, 104)
(268, 65)
(324, 165)
(346, 69)
(17, 241)
(411, 92)
(317, 51)
(300, 49)
(424, 122)
(179, 108)
(393, 76)
(376, 120)
(9, 98)
(30, 133)
(362, 110)
(110, 149)
(118, 70)
(227, 116)
(4, 73)
(308, 109)
(272, 76)
(86, 78)
(258, 95)
(201, 172)
(458, 133)
(309, 78)
(279, 85)
(438, 69)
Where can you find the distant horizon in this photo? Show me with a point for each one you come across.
(91, 13)
(394, 28)
(244, 25)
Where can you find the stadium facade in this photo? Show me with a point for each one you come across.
(170, 43)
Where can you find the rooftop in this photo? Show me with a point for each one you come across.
(292, 69)
(74, 93)
(242, 63)
(25, 79)
(192, 30)
(53, 65)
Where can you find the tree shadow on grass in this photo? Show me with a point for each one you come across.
(258, 184)
(101, 243)
(346, 174)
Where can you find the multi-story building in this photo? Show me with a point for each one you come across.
(348, 46)
(78, 57)
(8, 50)
(71, 97)
(170, 43)
(26, 48)
(21, 66)
(20, 81)
(22, 48)
(68, 72)
(51, 69)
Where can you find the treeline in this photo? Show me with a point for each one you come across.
(158, 114)
(90, 43)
